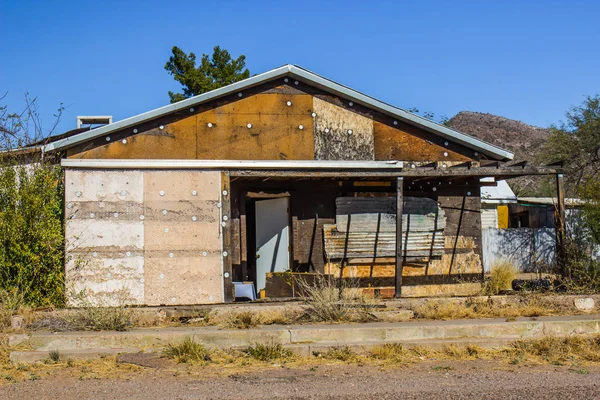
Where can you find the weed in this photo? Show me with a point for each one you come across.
(267, 351)
(187, 351)
(54, 356)
(444, 368)
(340, 353)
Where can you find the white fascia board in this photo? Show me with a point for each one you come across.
(229, 164)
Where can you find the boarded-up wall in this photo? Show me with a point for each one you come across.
(144, 237)
(276, 121)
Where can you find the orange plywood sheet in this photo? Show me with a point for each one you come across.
(176, 140)
(395, 144)
(277, 131)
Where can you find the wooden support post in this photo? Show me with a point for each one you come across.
(399, 199)
(560, 226)
(226, 231)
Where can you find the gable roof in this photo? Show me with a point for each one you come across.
(305, 76)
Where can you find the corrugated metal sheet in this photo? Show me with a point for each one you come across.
(382, 244)
(489, 218)
(371, 226)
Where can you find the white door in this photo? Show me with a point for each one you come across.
(272, 238)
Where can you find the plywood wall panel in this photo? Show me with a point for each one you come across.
(104, 236)
(277, 132)
(182, 279)
(182, 237)
(408, 144)
(177, 140)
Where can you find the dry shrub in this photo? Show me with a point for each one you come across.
(335, 300)
(187, 351)
(503, 274)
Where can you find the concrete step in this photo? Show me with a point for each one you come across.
(310, 337)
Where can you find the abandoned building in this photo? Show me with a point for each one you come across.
(285, 174)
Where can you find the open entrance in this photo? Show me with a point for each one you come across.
(268, 238)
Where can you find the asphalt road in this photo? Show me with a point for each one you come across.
(438, 380)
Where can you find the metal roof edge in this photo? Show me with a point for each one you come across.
(312, 78)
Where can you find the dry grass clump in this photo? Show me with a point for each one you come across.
(332, 300)
(187, 351)
(557, 350)
(503, 274)
(247, 319)
(526, 306)
(267, 351)
(395, 353)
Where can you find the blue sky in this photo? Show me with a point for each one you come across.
(527, 60)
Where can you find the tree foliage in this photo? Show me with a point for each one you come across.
(212, 73)
(577, 142)
(31, 212)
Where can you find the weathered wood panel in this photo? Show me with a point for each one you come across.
(341, 134)
(372, 214)
(408, 143)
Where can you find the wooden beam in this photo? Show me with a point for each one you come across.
(227, 233)
(399, 199)
(560, 226)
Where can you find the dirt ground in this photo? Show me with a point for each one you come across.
(428, 380)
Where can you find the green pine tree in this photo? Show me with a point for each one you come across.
(213, 72)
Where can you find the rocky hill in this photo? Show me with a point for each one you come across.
(522, 139)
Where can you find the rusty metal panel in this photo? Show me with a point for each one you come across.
(341, 134)
(407, 144)
(177, 140)
(259, 127)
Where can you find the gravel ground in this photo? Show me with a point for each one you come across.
(439, 380)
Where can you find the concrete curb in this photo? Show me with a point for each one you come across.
(305, 339)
